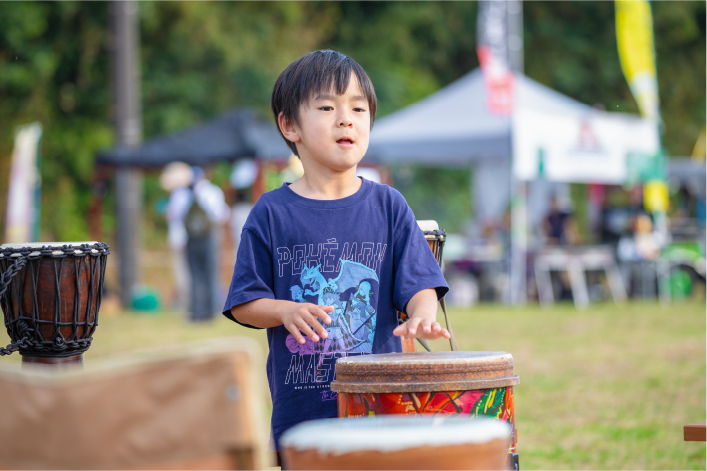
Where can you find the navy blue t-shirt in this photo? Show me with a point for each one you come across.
(363, 254)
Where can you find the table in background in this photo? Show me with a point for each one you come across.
(575, 261)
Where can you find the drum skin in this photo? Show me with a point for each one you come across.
(496, 403)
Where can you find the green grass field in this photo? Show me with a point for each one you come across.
(606, 388)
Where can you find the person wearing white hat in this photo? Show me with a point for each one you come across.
(195, 214)
(175, 179)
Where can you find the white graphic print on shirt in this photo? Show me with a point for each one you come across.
(347, 281)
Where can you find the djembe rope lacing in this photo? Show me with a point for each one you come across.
(435, 238)
(437, 247)
(23, 329)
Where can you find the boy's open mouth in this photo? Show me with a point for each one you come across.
(345, 140)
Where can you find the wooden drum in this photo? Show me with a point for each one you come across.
(435, 238)
(465, 384)
(50, 294)
(397, 443)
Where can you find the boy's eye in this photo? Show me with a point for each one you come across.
(360, 110)
(326, 108)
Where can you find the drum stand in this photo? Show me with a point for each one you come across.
(57, 362)
(512, 462)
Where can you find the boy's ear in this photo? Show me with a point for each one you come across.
(288, 128)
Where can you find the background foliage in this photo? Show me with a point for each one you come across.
(200, 59)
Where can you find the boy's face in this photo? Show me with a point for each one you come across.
(332, 135)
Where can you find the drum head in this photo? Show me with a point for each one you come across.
(17, 247)
(424, 371)
(389, 433)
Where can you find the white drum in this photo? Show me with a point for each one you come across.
(397, 442)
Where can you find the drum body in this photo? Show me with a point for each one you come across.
(395, 442)
(51, 303)
(465, 384)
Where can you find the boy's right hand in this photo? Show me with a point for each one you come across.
(303, 319)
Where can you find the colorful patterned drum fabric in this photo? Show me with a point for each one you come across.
(471, 384)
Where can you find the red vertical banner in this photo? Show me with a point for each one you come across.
(492, 49)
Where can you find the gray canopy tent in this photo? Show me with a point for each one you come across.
(454, 128)
(235, 134)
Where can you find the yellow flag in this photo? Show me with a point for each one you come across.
(634, 38)
(655, 196)
(699, 152)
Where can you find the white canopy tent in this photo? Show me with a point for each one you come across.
(552, 138)
(454, 127)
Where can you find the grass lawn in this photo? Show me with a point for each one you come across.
(606, 388)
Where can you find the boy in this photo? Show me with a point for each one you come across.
(350, 248)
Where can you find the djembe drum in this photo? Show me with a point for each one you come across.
(435, 237)
(50, 294)
(466, 384)
(396, 443)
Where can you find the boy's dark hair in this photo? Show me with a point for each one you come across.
(311, 74)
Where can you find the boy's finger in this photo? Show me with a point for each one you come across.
(306, 330)
(442, 333)
(296, 333)
(426, 326)
(316, 325)
(413, 325)
(321, 312)
(400, 330)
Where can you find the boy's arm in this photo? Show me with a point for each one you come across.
(422, 313)
(297, 318)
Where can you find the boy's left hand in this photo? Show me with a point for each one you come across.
(421, 327)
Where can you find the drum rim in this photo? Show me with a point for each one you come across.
(390, 387)
(34, 249)
(422, 371)
(438, 234)
(428, 358)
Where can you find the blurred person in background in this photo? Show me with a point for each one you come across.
(242, 177)
(239, 215)
(202, 209)
(560, 229)
(647, 241)
(175, 179)
(559, 224)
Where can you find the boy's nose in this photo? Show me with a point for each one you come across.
(345, 124)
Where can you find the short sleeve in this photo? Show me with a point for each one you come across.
(415, 267)
(252, 276)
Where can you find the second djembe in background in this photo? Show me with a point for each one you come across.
(436, 239)
(50, 295)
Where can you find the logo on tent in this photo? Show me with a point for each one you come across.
(587, 141)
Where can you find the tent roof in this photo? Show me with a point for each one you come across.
(233, 135)
(454, 127)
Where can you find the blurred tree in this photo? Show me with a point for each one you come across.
(442, 194)
(200, 59)
(53, 69)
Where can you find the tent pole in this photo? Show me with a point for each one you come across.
(128, 132)
(519, 242)
(519, 188)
